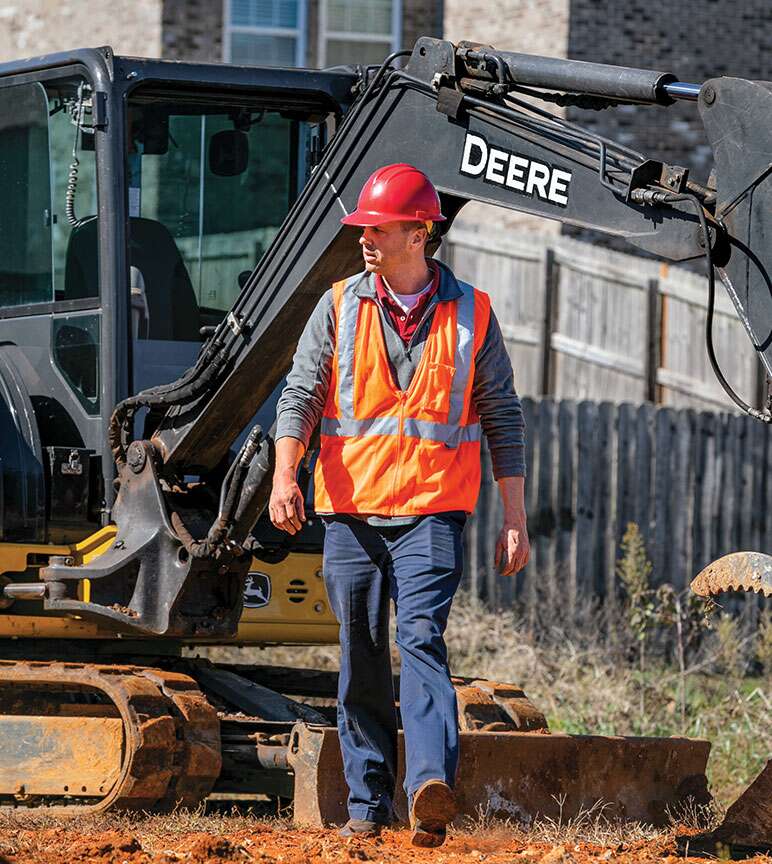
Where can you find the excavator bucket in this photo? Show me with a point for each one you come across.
(741, 571)
(512, 767)
(747, 826)
(524, 776)
(748, 822)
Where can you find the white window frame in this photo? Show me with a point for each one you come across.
(299, 33)
(351, 35)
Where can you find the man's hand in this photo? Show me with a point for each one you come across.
(512, 546)
(286, 507)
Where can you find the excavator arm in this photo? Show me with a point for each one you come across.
(466, 116)
(448, 114)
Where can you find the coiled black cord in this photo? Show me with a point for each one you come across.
(69, 192)
(655, 196)
(76, 116)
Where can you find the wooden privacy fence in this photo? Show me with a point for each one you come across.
(587, 322)
(697, 484)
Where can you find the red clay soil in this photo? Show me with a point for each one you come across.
(268, 844)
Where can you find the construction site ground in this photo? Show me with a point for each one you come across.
(195, 837)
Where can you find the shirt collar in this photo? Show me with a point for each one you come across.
(448, 289)
(386, 296)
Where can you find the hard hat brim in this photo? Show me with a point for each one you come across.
(363, 218)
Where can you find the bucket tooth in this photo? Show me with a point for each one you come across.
(523, 775)
(739, 571)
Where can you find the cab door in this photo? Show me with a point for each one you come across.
(49, 310)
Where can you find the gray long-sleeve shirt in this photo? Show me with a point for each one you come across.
(302, 401)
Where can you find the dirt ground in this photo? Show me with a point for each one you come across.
(278, 843)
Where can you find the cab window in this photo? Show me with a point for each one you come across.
(26, 274)
(209, 185)
(208, 188)
(48, 177)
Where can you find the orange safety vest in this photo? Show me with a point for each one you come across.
(390, 452)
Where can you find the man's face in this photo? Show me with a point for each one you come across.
(386, 246)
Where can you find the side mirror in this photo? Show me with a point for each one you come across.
(228, 153)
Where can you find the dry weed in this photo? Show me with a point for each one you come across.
(591, 825)
(694, 816)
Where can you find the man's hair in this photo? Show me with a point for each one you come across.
(408, 226)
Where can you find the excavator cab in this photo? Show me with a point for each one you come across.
(138, 197)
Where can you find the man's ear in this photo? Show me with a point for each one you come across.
(418, 237)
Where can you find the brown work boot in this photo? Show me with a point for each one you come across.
(433, 806)
(360, 828)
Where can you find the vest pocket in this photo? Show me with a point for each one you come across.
(435, 390)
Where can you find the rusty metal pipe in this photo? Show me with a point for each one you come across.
(272, 756)
(268, 755)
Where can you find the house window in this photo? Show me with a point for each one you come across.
(358, 31)
(265, 32)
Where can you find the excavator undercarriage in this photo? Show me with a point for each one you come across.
(87, 737)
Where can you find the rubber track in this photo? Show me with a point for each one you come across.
(171, 733)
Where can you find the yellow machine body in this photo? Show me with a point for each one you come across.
(284, 603)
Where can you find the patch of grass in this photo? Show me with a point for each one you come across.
(591, 826)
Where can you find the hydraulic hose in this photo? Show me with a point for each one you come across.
(194, 383)
(219, 536)
(756, 413)
(655, 196)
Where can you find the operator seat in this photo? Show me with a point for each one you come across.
(172, 308)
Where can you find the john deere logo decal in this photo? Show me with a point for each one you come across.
(257, 590)
(512, 171)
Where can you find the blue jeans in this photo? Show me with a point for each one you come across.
(419, 567)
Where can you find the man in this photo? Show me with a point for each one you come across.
(404, 366)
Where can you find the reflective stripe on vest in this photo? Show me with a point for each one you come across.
(451, 433)
(426, 429)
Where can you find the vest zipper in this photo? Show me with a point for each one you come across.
(432, 305)
(400, 441)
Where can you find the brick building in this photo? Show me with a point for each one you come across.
(314, 33)
(695, 39)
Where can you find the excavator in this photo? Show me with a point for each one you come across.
(168, 228)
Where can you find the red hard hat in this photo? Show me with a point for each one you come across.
(396, 193)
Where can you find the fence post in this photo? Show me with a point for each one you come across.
(653, 340)
(586, 480)
(566, 511)
(550, 316)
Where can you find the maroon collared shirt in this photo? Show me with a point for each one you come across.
(405, 323)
